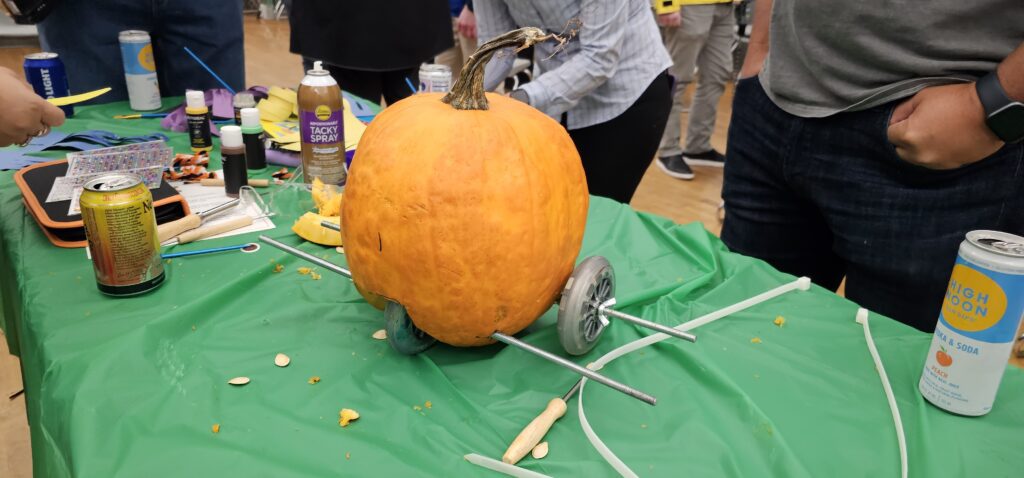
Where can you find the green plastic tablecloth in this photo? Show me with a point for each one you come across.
(131, 387)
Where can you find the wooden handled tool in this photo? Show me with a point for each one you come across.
(214, 229)
(169, 230)
(534, 432)
(256, 183)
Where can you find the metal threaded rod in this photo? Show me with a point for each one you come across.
(330, 225)
(604, 309)
(586, 372)
(309, 257)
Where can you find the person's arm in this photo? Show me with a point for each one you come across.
(601, 35)
(1011, 74)
(493, 19)
(25, 113)
(757, 49)
(467, 23)
(943, 127)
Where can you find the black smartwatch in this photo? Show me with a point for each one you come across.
(1004, 116)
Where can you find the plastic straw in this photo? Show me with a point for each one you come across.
(862, 318)
(208, 70)
(802, 283)
(501, 467)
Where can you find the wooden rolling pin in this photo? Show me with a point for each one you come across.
(535, 431)
(169, 230)
(256, 183)
(214, 229)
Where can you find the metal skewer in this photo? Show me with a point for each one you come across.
(309, 257)
(605, 309)
(496, 336)
(586, 372)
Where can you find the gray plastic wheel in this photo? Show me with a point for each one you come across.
(591, 283)
(403, 335)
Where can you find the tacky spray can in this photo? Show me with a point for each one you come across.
(197, 115)
(978, 322)
(139, 70)
(45, 72)
(321, 126)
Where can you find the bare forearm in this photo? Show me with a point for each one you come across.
(757, 50)
(1011, 74)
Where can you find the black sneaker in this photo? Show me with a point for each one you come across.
(675, 166)
(708, 158)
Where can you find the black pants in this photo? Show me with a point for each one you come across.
(828, 197)
(371, 85)
(616, 153)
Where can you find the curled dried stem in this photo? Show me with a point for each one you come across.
(468, 91)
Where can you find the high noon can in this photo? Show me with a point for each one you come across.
(139, 70)
(977, 325)
(117, 210)
(45, 72)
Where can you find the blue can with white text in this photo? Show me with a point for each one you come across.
(45, 72)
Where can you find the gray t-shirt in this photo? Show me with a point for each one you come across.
(829, 56)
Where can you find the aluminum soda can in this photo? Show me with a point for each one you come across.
(978, 322)
(435, 78)
(45, 72)
(120, 224)
(139, 70)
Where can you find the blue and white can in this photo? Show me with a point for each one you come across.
(978, 323)
(45, 72)
(139, 70)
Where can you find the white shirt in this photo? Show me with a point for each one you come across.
(600, 73)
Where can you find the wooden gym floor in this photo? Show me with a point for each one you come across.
(268, 62)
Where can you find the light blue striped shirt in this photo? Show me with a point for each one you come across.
(601, 72)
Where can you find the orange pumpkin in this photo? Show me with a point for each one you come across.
(471, 218)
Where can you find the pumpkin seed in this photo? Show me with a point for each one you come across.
(540, 451)
(341, 250)
(239, 381)
(282, 360)
(380, 334)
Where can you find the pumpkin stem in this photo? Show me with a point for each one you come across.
(468, 91)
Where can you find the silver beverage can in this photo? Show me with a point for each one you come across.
(139, 70)
(977, 324)
(435, 78)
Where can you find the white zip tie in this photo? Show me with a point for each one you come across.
(862, 318)
(803, 283)
(502, 467)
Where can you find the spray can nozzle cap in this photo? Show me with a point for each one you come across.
(195, 99)
(250, 118)
(318, 69)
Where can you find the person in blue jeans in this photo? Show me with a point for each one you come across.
(84, 34)
(869, 137)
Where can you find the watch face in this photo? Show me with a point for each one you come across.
(1008, 122)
